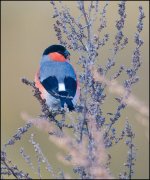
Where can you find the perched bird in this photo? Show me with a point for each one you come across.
(56, 78)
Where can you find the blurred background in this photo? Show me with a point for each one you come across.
(26, 30)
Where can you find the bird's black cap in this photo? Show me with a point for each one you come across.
(56, 48)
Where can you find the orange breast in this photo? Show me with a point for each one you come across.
(39, 85)
(57, 57)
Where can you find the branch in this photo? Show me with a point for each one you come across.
(45, 109)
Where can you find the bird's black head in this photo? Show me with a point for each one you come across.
(57, 48)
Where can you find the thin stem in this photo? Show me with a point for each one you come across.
(130, 166)
(82, 8)
(10, 169)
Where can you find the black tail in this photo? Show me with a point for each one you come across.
(66, 100)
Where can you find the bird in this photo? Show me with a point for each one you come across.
(56, 79)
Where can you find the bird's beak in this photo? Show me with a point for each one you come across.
(68, 58)
(67, 54)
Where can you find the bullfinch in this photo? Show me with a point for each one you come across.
(56, 78)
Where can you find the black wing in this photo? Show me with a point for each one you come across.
(70, 85)
(50, 84)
